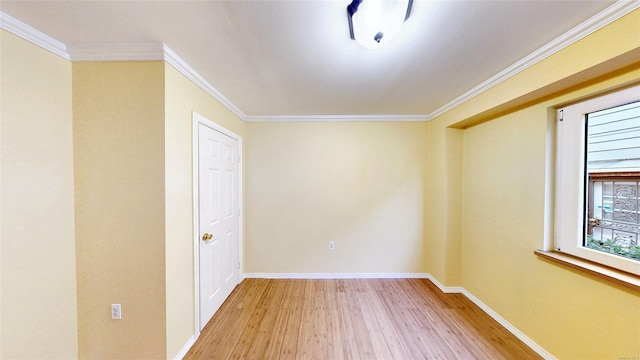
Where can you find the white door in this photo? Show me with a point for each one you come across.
(218, 171)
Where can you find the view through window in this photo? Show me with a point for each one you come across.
(612, 223)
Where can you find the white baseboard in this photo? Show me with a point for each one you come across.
(185, 349)
(445, 289)
(336, 276)
(512, 329)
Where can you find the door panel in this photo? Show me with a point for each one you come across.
(230, 265)
(212, 209)
(218, 171)
(228, 196)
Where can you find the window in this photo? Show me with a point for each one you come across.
(598, 180)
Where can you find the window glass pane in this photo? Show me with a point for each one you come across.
(612, 223)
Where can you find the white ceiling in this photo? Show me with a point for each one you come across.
(295, 58)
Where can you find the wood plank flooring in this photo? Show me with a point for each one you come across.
(352, 319)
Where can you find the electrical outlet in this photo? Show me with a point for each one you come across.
(116, 311)
(331, 246)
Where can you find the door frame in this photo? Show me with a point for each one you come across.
(198, 119)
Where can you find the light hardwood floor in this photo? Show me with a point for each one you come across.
(352, 319)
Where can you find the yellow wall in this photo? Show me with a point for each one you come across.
(133, 204)
(38, 252)
(359, 185)
(500, 216)
(119, 138)
(443, 207)
(182, 97)
(504, 167)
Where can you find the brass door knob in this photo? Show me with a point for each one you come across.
(206, 237)
(594, 222)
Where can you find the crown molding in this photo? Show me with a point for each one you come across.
(335, 118)
(116, 52)
(598, 21)
(150, 52)
(157, 52)
(32, 35)
(179, 64)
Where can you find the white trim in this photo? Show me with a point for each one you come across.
(507, 325)
(336, 276)
(549, 183)
(32, 35)
(196, 225)
(334, 118)
(199, 119)
(116, 52)
(445, 289)
(185, 349)
(598, 21)
(179, 64)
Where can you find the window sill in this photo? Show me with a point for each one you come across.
(604, 272)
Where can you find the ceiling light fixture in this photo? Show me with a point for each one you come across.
(373, 23)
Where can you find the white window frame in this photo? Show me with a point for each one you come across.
(570, 181)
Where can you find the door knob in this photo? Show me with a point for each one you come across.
(206, 237)
(594, 222)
